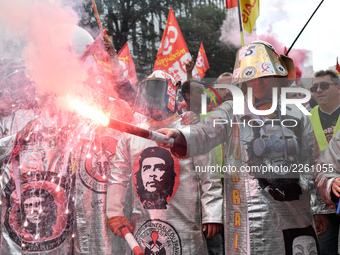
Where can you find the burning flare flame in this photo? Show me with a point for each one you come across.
(88, 112)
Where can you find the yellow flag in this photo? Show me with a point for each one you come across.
(250, 11)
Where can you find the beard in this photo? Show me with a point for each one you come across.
(156, 199)
(39, 228)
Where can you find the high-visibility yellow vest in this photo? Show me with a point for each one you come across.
(318, 130)
(219, 149)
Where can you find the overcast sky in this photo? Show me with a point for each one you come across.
(283, 20)
(287, 18)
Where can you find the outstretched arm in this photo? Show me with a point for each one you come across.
(204, 136)
(179, 148)
(122, 85)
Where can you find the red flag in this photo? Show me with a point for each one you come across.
(96, 53)
(230, 4)
(126, 62)
(173, 52)
(337, 67)
(202, 64)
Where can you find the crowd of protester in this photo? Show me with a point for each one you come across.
(71, 186)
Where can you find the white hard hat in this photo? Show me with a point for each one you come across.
(70, 36)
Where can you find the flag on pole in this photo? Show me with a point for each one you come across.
(173, 52)
(126, 62)
(230, 4)
(337, 66)
(202, 64)
(250, 11)
(96, 58)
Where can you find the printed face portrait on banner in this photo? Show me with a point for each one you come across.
(156, 177)
(40, 220)
(38, 208)
(304, 245)
(300, 241)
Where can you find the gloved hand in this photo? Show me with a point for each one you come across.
(117, 222)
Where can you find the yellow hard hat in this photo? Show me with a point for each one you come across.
(259, 59)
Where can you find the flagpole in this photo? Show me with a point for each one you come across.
(240, 21)
(303, 28)
(97, 17)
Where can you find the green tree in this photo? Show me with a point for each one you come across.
(142, 22)
(203, 24)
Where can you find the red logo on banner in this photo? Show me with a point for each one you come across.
(100, 56)
(173, 52)
(126, 62)
(337, 66)
(202, 64)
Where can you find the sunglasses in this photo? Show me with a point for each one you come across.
(323, 86)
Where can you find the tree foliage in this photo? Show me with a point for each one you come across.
(203, 24)
(142, 22)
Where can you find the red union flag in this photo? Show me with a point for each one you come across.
(202, 64)
(230, 4)
(126, 62)
(173, 52)
(96, 53)
(337, 67)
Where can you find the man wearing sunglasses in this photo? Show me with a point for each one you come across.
(326, 123)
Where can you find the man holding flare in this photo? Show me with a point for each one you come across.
(264, 212)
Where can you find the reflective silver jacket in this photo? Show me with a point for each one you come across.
(265, 213)
(94, 154)
(167, 213)
(330, 165)
(94, 159)
(36, 185)
(318, 206)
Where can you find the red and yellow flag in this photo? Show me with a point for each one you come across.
(202, 64)
(126, 62)
(97, 60)
(337, 66)
(230, 4)
(250, 11)
(173, 52)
